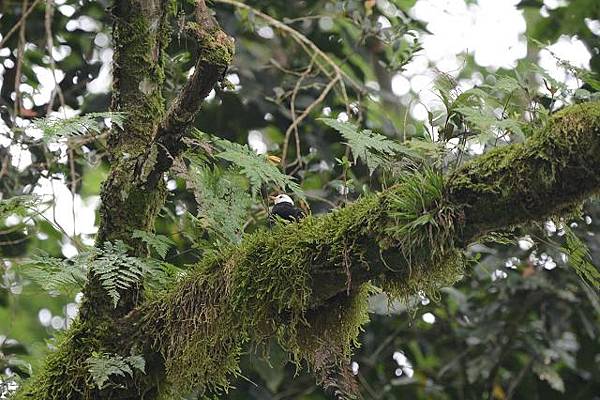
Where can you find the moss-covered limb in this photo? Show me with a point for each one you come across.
(305, 284)
(558, 167)
(214, 56)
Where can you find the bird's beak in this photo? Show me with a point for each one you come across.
(274, 159)
(272, 198)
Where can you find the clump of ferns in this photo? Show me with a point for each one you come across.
(422, 227)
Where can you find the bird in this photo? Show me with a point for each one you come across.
(284, 208)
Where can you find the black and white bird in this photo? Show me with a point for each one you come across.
(284, 208)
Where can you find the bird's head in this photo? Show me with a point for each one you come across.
(282, 198)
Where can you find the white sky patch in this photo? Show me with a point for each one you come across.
(20, 158)
(525, 243)
(554, 4)
(68, 250)
(419, 112)
(43, 92)
(44, 316)
(498, 274)
(61, 211)
(383, 22)
(490, 29)
(593, 25)
(405, 367)
(265, 32)
(568, 49)
(428, 318)
(256, 141)
(102, 83)
(66, 10)
(342, 117)
(354, 366)
(400, 85)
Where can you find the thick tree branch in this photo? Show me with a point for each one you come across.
(291, 283)
(215, 55)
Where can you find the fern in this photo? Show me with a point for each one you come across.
(223, 201)
(161, 274)
(102, 366)
(374, 149)
(116, 270)
(255, 167)
(580, 259)
(17, 205)
(58, 128)
(159, 243)
(55, 275)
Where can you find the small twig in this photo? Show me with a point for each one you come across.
(19, 23)
(306, 112)
(50, 45)
(20, 56)
(515, 383)
(295, 91)
(301, 39)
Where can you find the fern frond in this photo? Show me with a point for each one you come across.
(159, 243)
(374, 149)
(161, 274)
(55, 275)
(255, 167)
(58, 128)
(102, 365)
(18, 205)
(223, 202)
(580, 259)
(116, 270)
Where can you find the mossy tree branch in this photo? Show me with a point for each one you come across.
(306, 284)
(215, 55)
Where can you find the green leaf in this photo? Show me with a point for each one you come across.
(160, 243)
(223, 203)
(374, 149)
(116, 270)
(55, 275)
(256, 167)
(580, 259)
(57, 128)
(102, 366)
(546, 373)
(18, 205)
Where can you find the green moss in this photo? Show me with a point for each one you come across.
(304, 284)
(558, 167)
(64, 365)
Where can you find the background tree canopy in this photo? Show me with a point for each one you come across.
(331, 102)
